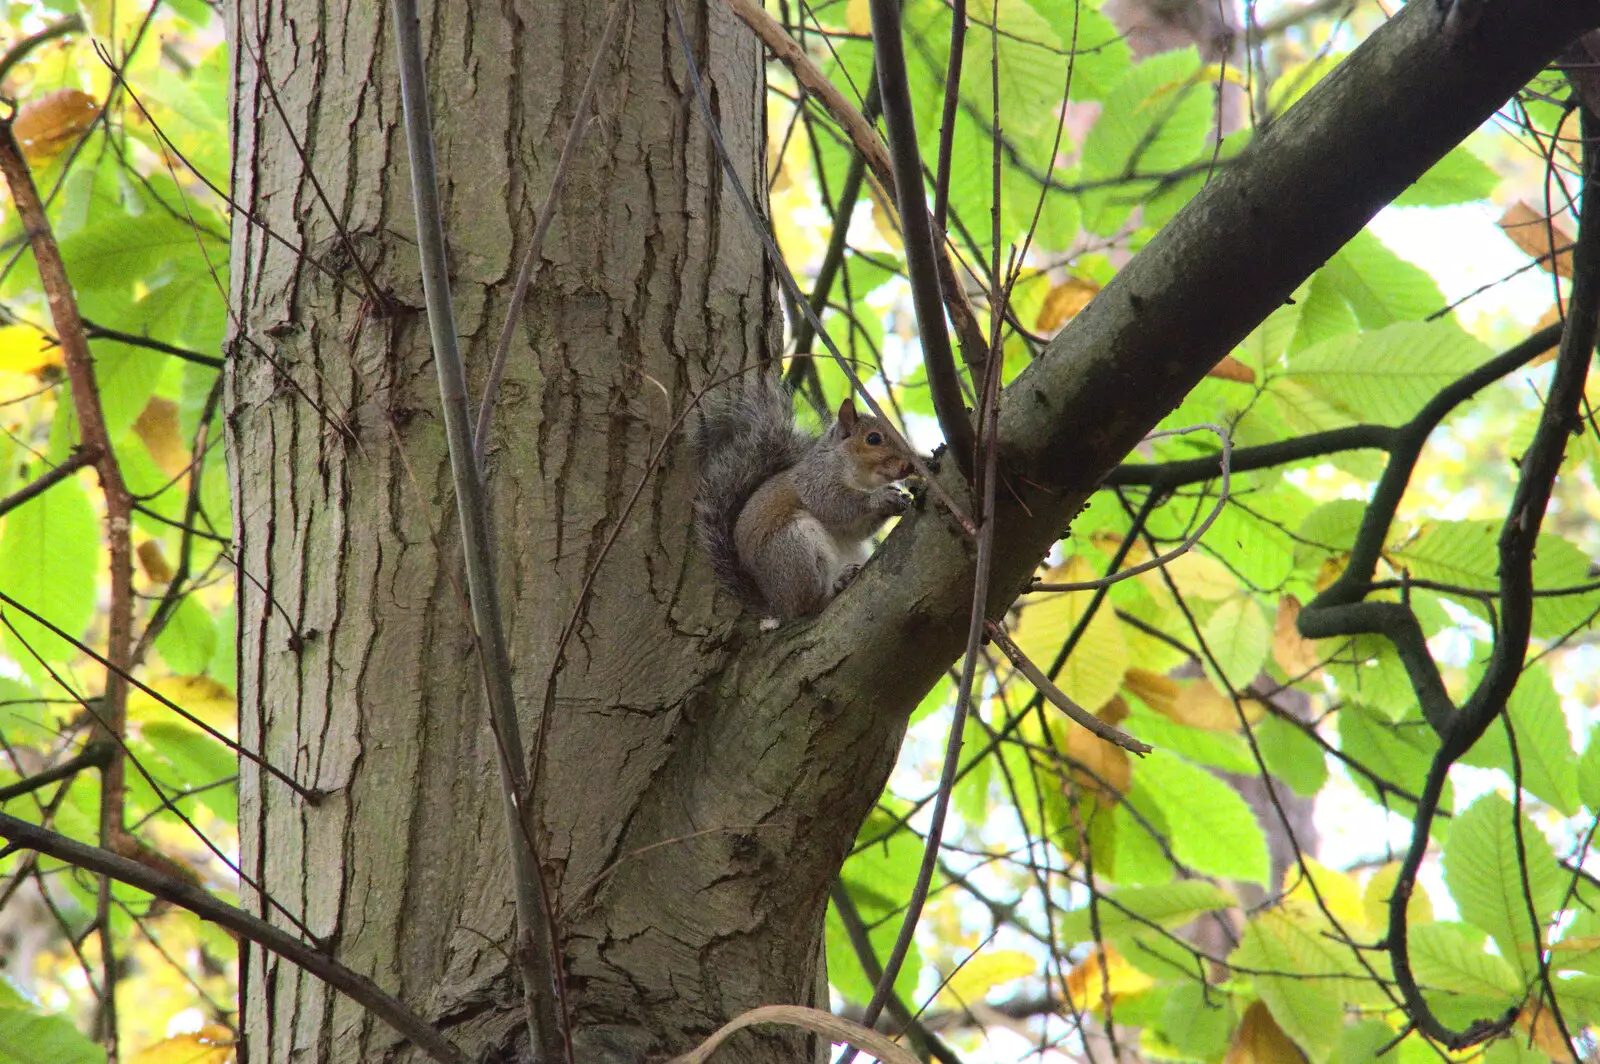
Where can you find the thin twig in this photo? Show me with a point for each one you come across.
(96, 754)
(82, 458)
(24, 48)
(118, 509)
(558, 178)
(917, 233)
(1462, 727)
(947, 119)
(547, 1025)
(872, 149)
(977, 617)
(1189, 541)
(1059, 698)
(357, 987)
(786, 278)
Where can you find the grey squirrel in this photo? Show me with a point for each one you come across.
(786, 518)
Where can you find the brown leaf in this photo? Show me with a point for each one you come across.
(1259, 1040)
(1531, 231)
(154, 563)
(1201, 705)
(49, 123)
(1295, 655)
(157, 427)
(1231, 369)
(1536, 1019)
(1064, 302)
(1106, 772)
(1158, 692)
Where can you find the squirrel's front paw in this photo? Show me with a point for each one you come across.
(890, 500)
(847, 574)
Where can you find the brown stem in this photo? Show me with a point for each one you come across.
(94, 435)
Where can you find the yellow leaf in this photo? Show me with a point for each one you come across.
(1201, 705)
(49, 123)
(1093, 674)
(212, 1044)
(1330, 570)
(1105, 772)
(200, 696)
(157, 427)
(1087, 984)
(1295, 655)
(1259, 1040)
(1538, 236)
(858, 17)
(1158, 692)
(1536, 1019)
(25, 350)
(1202, 576)
(1064, 302)
(1340, 898)
(1380, 886)
(1231, 369)
(983, 973)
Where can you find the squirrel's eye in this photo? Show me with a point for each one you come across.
(874, 439)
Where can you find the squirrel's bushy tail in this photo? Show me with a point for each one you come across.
(745, 436)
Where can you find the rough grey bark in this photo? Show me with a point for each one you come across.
(356, 670)
(701, 782)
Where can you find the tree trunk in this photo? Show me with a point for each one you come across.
(357, 673)
(698, 789)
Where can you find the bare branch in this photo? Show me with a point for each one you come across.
(537, 960)
(357, 987)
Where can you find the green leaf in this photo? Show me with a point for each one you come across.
(1100, 54)
(1219, 750)
(1154, 122)
(1137, 908)
(1482, 870)
(1324, 314)
(1380, 286)
(1466, 554)
(1197, 1020)
(28, 1036)
(1211, 828)
(1399, 754)
(194, 759)
(1579, 946)
(1137, 856)
(189, 639)
(1261, 553)
(1589, 773)
(1298, 977)
(1359, 1043)
(1368, 670)
(1445, 958)
(1239, 636)
(1544, 747)
(49, 552)
(1579, 997)
(1389, 374)
(1292, 756)
(1460, 177)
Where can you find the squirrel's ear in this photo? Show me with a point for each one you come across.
(847, 416)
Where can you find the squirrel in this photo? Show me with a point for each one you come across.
(786, 519)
